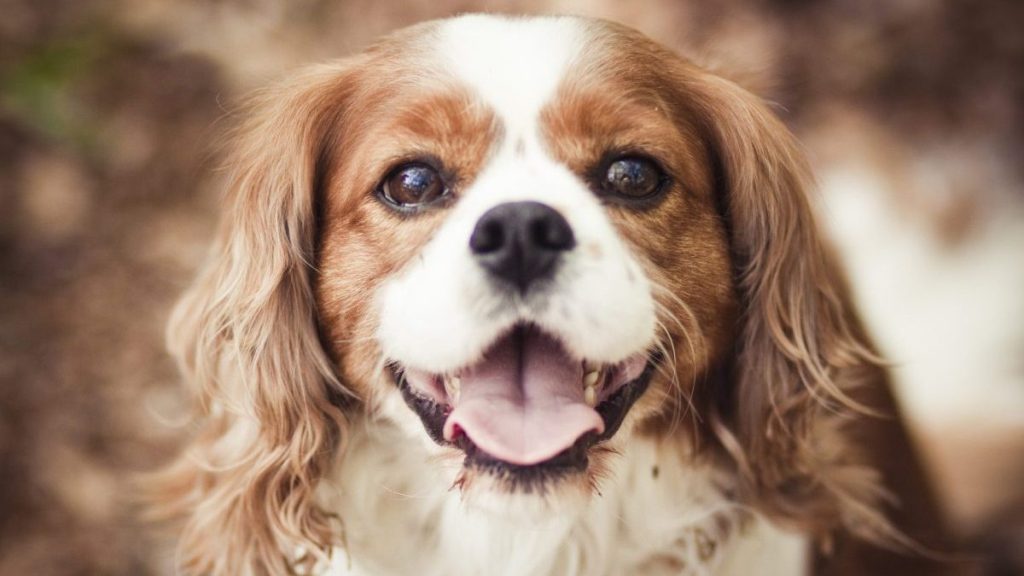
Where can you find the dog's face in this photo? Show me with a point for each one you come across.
(525, 240)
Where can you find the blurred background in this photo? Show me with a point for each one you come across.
(911, 111)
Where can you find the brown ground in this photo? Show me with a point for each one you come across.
(107, 201)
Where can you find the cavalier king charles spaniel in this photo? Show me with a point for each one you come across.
(531, 296)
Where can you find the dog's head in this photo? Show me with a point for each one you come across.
(523, 241)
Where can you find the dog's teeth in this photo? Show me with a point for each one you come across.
(452, 385)
(591, 376)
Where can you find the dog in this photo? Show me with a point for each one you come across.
(508, 296)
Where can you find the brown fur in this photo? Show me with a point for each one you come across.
(765, 356)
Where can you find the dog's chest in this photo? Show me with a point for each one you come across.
(654, 516)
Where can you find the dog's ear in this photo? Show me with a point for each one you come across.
(245, 336)
(800, 356)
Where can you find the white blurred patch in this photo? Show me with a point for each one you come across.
(950, 315)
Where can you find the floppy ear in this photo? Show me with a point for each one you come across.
(801, 356)
(245, 336)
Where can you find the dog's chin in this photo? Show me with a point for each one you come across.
(488, 491)
(564, 456)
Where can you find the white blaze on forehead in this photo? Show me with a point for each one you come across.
(514, 64)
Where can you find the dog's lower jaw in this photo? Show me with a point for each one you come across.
(653, 512)
(488, 490)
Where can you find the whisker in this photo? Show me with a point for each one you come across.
(673, 371)
(356, 340)
(690, 331)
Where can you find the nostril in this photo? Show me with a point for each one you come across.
(552, 232)
(489, 236)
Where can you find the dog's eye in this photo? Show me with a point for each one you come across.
(412, 184)
(633, 177)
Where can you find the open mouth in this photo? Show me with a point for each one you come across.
(527, 408)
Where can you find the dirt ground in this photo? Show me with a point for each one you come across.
(910, 110)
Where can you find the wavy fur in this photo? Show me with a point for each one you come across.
(799, 358)
(246, 338)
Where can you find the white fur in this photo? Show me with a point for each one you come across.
(401, 517)
(515, 65)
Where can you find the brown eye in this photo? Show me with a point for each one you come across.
(633, 177)
(411, 185)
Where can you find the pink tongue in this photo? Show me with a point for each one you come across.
(523, 403)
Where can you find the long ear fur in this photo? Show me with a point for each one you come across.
(246, 339)
(801, 354)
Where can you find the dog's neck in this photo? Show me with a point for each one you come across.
(654, 514)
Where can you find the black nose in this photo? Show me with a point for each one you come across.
(521, 242)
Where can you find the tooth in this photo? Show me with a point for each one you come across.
(590, 379)
(590, 396)
(452, 385)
